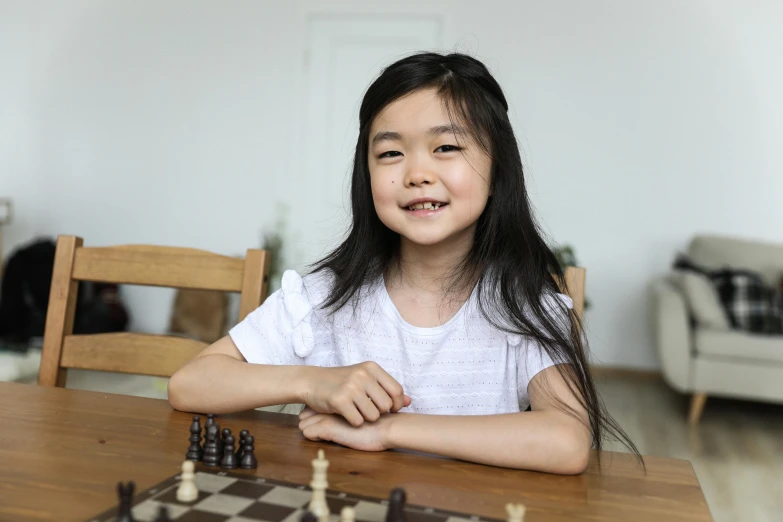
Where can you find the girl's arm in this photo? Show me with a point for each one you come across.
(544, 439)
(218, 380)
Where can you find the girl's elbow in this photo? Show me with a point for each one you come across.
(578, 457)
(176, 392)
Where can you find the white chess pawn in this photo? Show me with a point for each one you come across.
(516, 512)
(187, 490)
(348, 514)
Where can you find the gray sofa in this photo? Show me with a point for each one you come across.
(711, 358)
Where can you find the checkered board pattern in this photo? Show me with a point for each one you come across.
(232, 497)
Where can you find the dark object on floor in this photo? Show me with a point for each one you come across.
(24, 298)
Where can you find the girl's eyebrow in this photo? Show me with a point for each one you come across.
(434, 131)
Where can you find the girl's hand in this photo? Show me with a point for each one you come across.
(360, 392)
(370, 436)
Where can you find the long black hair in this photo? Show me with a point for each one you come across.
(514, 271)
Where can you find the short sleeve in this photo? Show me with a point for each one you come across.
(279, 331)
(530, 355)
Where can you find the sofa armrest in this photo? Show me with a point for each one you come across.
(672, 333)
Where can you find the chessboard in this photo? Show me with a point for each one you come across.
(226, 496)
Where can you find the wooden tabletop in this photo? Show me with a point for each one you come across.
(63, 451)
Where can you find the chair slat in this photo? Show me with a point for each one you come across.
(142, 354)
(575, 278)
(60, 315)
(159, 266)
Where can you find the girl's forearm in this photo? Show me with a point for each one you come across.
(219, 383)
(548, 441)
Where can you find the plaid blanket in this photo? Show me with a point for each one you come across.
(751, 304)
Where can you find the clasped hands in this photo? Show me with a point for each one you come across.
(353, 406)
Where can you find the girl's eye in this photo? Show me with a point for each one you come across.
(448, 148)
(389, 154)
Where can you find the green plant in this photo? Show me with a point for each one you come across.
(272, 241)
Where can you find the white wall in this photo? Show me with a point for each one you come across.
(176, 122)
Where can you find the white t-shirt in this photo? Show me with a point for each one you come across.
(463, 367)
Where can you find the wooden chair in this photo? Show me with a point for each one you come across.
(575, 278)
(143, 354)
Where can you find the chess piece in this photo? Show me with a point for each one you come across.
(516, 512)
(210, 457)
(229, 458)
(396, 511)
(163, 515)
(125, 496)
(308, 516)
(195, 451)
(210, 420)
(248, 460)
(225, 433)
(348, 514)
(318, 504)
(241, 446)
(187, 490)
(219, 443)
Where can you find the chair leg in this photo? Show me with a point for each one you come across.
(697, 406)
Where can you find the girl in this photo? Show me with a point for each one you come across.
(437, 323)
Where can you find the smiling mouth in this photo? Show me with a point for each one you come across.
(425, 206)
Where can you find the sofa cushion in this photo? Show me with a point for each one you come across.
(751, 305)
(717, 252)
(702, 299)
(739, 344)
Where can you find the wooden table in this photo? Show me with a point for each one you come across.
(62, 453)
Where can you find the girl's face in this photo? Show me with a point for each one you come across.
(425, 186)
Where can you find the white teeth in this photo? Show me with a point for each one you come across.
(425, 206)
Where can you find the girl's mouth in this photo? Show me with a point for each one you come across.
(425, 209)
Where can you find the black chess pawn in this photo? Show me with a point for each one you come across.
(211, 457)
(241, 446)
(225, 433)
(248, 460)
(195, 451)
(219, 443)
(163, 515)
(125, 496)
(396, 510)
(229, 459)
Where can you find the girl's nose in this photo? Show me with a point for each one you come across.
(418, 175)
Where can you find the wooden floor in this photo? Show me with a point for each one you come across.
(736, 451)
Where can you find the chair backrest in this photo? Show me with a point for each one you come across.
(575, 288)
(144, 354)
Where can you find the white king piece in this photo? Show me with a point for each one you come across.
(318, 505)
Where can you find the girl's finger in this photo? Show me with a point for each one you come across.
(306, 413)
(350, 413)
(367, 407)
(309, 421)
(379, 397)
(392, 388)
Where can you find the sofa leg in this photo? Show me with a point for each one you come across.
(697, 406)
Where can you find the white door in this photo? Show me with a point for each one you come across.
(344, 54)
